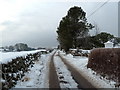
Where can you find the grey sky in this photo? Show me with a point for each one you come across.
(35, 23)
(119, 19)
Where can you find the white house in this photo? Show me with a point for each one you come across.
(108, 44)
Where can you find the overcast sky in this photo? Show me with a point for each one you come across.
(35, 22)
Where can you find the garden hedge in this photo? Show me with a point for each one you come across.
(106, 61)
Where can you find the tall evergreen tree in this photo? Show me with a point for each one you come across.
(74, 25)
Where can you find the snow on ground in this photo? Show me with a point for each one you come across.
(80, 63)
(65, 78)
(36, 77)
(8, 56)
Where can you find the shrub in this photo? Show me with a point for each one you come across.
(106, 61)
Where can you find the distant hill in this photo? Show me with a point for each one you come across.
(16, 47)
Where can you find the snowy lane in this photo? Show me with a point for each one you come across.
(83, 82)
(65, 78)
(65, 75)
(61, 71)
(53, 78)
(59, 75)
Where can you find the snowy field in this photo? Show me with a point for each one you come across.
(8, 56)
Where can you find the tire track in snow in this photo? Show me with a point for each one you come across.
(53, 78)
(65, 78)
(82, 82)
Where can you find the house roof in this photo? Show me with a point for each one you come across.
(109, 42)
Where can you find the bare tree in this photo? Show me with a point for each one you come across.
(97, 30)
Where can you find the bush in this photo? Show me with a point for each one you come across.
(106, 61)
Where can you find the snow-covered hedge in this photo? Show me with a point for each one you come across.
(6, 57)
(14, 70)
(106, 61)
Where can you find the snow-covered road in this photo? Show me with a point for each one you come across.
(39, 75)
(65, 78)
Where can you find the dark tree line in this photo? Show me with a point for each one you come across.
(17, 47)
(95, 41)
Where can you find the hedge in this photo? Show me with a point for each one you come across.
(15, 70)
(106, 61)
